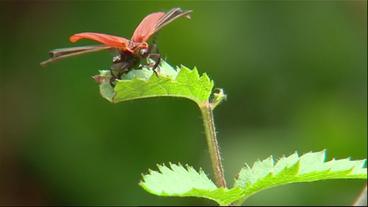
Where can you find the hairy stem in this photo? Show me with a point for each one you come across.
(209, 125)
(362, 199)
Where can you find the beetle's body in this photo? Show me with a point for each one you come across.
(123, 63)
(130, 52)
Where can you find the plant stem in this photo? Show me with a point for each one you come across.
(209, 125)
(362, 199)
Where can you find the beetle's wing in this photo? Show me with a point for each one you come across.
(59, 54)
(172, 15)
(69, 50)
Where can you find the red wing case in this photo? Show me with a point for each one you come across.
(147, 27)
(155, 21)
(106, 39)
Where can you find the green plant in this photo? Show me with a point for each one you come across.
(176, 180)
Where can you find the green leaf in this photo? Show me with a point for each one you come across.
(143, 83)
(294, 169)
(176, 180)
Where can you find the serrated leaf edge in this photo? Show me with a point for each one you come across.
(194, 72)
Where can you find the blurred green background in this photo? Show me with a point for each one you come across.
(295, 74)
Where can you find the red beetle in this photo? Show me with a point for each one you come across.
(132, 51)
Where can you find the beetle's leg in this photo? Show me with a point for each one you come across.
(157, 56)
(112, 79)
(155, 67)
(154, 47)
(153, 50)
